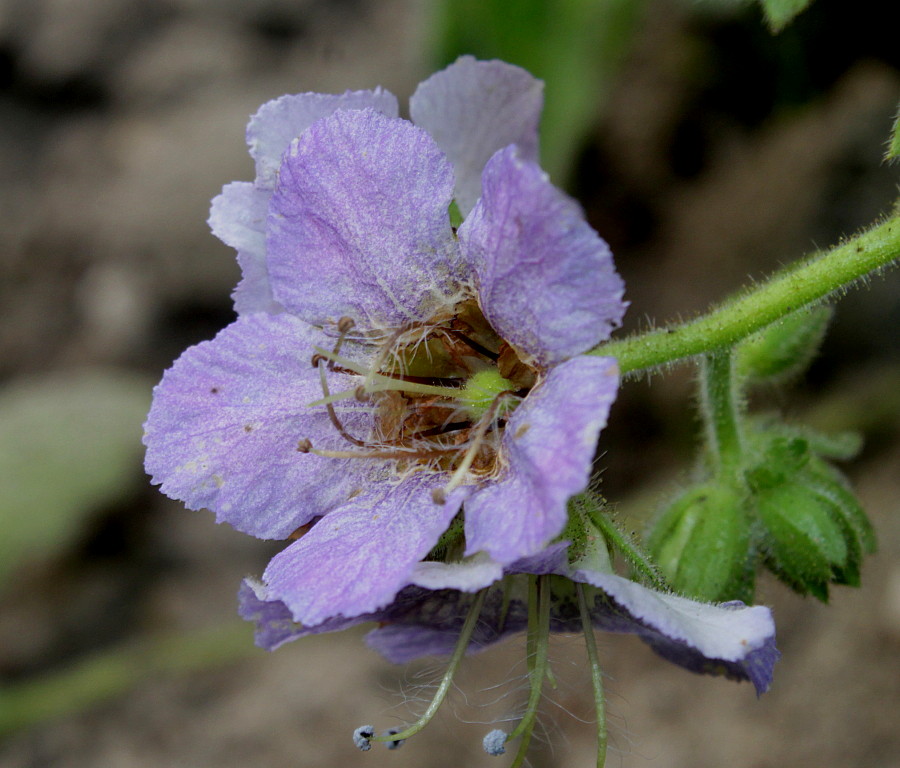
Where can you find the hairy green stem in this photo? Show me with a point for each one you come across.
(720, 411)
(635, 558)
(596, 674)
(795, 286)
(538, 667)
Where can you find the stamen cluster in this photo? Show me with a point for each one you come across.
(439, 394)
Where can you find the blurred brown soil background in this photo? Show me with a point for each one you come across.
(720, 156)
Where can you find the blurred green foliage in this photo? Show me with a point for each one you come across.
(574, 46)
(779, 13)
(69, 443)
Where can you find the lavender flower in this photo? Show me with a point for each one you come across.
(386, 369)
(410, 400)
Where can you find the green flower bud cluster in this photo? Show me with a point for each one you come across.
(814, 531)
(776, 501)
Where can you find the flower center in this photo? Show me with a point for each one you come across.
(439, 394)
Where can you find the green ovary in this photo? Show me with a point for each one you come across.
(481, 389)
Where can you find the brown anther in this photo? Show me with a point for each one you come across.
(318, 358)
(438, 496)
(360, 394)
(345, 324)
(304, 445)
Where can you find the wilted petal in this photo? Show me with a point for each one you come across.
(545, 278)
(472, 109)
(355, 560)
(358, 224)
(279, 122)
(731, 639)
(238, 218)
(226, 419)
(549, 445)
(274, 624)
(428, 624)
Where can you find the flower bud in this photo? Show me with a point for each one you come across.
(702, 544)
(784, 348)
(814, 529)
(807, 544)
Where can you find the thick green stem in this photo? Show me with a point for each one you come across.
(720, 406)
(805, 282)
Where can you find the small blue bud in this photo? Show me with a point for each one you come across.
(362, 737)
(494, 742)
(393, 744)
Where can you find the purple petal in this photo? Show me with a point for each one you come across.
(279, 122)
(549, 445)
(274, 624)
(223, 429)
(546, 280)
(472, 109)
(355, 560)
(730, 639)
(358, 224)
(425, 623)
(238, 218)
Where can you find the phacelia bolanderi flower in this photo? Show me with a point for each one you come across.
(411, 401)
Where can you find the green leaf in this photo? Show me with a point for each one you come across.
(69, 443)
(779, 13)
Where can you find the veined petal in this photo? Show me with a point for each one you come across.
(545, 279)
(277, 123)
(355, 560)
(472, 109)
(358, 224)
(731, 639)
(238, 218)
(548, 445)
(226, 420)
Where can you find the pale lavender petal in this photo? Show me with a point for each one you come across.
(358, 224)
(545, 279)
(552, 559)
(357, 558)
(238, 218)
(548, 445)
(226, 420)
(731, 639)
(277, 123)
(469, 575)
(473, 108)
(274, 624)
